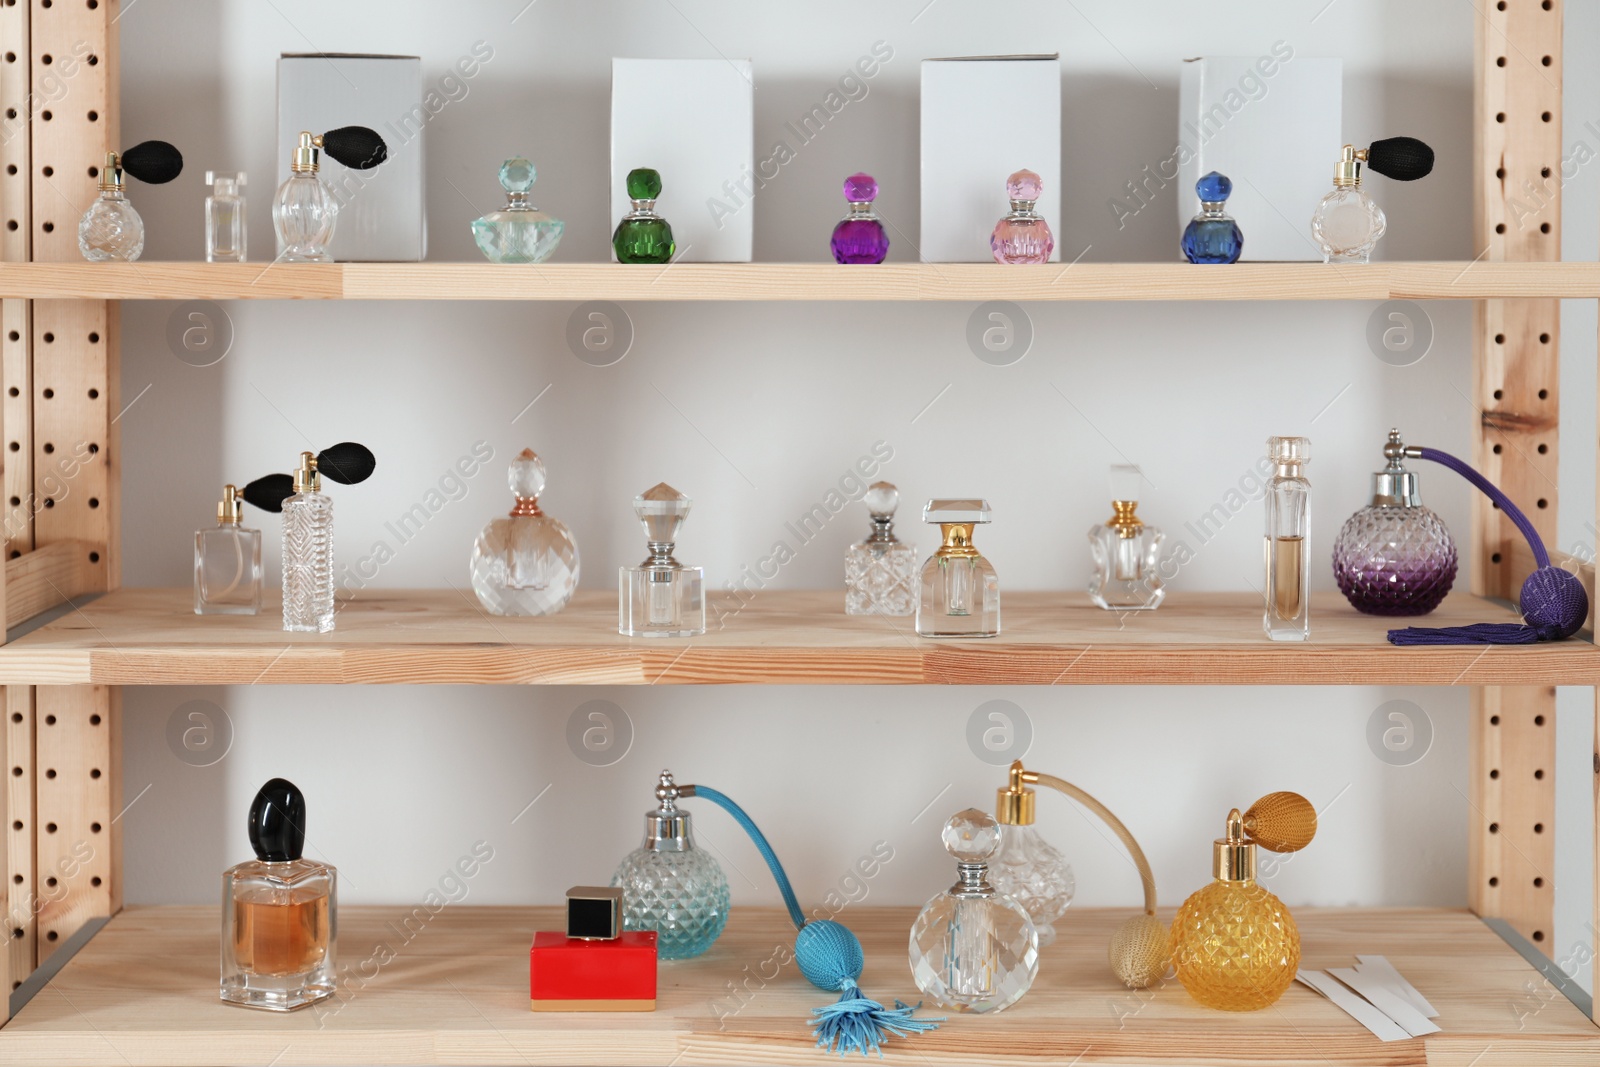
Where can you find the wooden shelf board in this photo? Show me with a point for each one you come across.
(144, 991)
(152, 637)
(796, 281)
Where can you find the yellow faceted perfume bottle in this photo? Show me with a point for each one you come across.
(1234, 944)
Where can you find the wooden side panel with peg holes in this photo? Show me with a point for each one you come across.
(1516, 346)
(21, 926)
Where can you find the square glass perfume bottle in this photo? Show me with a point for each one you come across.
(1288, 556)
(225, 217)
(880, 573)
(227, 562)
(960, 594)
(1126, 551)
(661, 597)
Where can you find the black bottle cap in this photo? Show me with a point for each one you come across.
(153, 162)
(278, 822)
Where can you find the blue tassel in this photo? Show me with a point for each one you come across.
(855, 1024)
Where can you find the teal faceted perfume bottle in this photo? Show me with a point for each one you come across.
(643, 236)
(669, 885)
(519, 232)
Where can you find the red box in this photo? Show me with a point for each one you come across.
(572, 974)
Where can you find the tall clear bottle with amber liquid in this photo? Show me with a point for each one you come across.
(1288, 557)
(279, 911)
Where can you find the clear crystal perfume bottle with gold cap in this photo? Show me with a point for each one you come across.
(525, 563)
(227, 562)
(1234, 944)
(1126, 551)
(880, 572)
(308, 552)
(960, 595)
(661, 597)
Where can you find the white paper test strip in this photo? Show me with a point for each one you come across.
(1391, 976)
(1386, 1000)
(1382, 1027)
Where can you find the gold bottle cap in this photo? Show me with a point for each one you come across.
(1347, 172)
(230, 509)
(111, 174)
(957, 541)
(306, 478)
(1123, 520)
(1014, 802)
(307, 158)
(1233, 858)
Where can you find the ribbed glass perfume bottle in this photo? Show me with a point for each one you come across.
(308, 553)
(304, 211)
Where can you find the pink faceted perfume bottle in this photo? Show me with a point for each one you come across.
(1023, 236)
(859, 237)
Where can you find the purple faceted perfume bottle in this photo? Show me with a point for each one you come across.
(1394, 556)
(859, 237)
(1022, 236)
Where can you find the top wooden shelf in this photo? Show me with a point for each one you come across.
(795, 281)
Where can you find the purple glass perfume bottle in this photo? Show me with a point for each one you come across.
(1394, 556)
(1022, 236)
(859, 237)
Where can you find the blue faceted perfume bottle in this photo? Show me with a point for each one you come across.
(1212, 236)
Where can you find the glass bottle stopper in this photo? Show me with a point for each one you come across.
(1214, 190)
(860, 189)
(517, 176)
(882, 499)
(661, 510)
(526, 478)
(972, 838)
(1024, 188)
(644, 186)
(1289, 452)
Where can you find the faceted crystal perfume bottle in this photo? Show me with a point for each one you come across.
(1348, 222)
(225, 217)
(519, 232)
(960, 595)
(1023, 236)
(972, 947)
(1288, 555)
(661, 597)
(1126, 551)
(308, 553)
(227, 562)
(643, 236)
(1212, 236)
(1394, 556)
(670, 886)
(880, 572)
(304, 211)
(525, 563)
(111, 229)
(1034, 873)
(860, 237)
(279, 911)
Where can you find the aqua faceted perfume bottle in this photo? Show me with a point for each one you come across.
(518, 232)
(1288, 554)
(960, 594)
(671, 886)
(1022, 236)
(227, 562)
(661, 597)
(643, 236)
(1212, 236)
(1125, 551)
(880, 571)
(859, 237)
(525, 563)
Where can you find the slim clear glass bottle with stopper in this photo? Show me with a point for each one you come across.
(305, 210)
(111, 230)
(308, 553)
(225, 217)
(1288, 556)
(661, 597)
(880, 572)
(960, 594)
(1125, 551)
(1348, 222)
(227, 562)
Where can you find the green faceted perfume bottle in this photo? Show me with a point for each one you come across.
(643, 236)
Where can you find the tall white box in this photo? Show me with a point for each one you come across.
(382, 212)
(693, 120)
(1271, 123)
(984, 117)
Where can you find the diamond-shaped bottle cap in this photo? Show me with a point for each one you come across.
(971, 836)
(643, 184)
(662, 510)
(860, 188)
(1289, 449)
(517, 175)
(882, 498)
(1214, 188)
(1125, 482)
(966, 509)
(527, 475)
(1024, 185)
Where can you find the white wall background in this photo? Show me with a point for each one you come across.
(757, 410)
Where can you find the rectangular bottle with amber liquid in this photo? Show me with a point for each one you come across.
(1288, 561)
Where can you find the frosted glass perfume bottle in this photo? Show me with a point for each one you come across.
(304, 211)
(669, 885)
(880, 572)
(111, 230)
(518, 232)
(227, 562)
(859, 237)
(1213, 236)
(661, 597)
(1288, 555)
(1126, 552)
(225, 217)
(308, 553)
(643, 236)
(1023, 236)
(1394, 556)
(960, 594)
(279, 911)
(525, 563)
(972, 947)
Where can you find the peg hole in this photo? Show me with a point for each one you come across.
(49, 720)
(94, 720)
(1538, 720)
(1543, 503)
(50, 828)
(94, 502)
(1495, 773)
(49, 448)
(1499, 338)
(1544, 338)
(49, 394)
(94, 338)
(1497, 450)
(52, 936)
(95, 881)
(1495, 558)
(94, 828)
(1493, 882)
(94, 394)
(1544, 394)
(1543, 449)
(1544, 227)
(1538, 935)
(1499, 227)
(94, 116)
(1494, 828)
(1500, 61)
(50, 772)
(48, 172)
(1494, 720)
(1500, 116)
(48, 227)
(95, 773)
(1538, 883)
(1499, 394)
(1539, 775)
(1544, 116)
(94, 557)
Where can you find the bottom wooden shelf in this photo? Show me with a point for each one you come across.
(144, 992)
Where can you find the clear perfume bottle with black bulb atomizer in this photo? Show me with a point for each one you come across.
(661, 597)
(305, 209)
(1348, 223)
(111, 230)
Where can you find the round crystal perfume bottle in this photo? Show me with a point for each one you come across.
(519, 232)
(1394, 556)
(880, 572)
(304, 211)
(670, 886)
(525, 563)
(643, 236)
(1348, 222)
(1023, 236)
(111, 229)
(972, 947)
(859, 237)
(1034, 873)
(1212, 236)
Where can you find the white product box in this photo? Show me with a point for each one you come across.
(382, 212)
(1271, 123)
(984, 117)
(693, 121)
